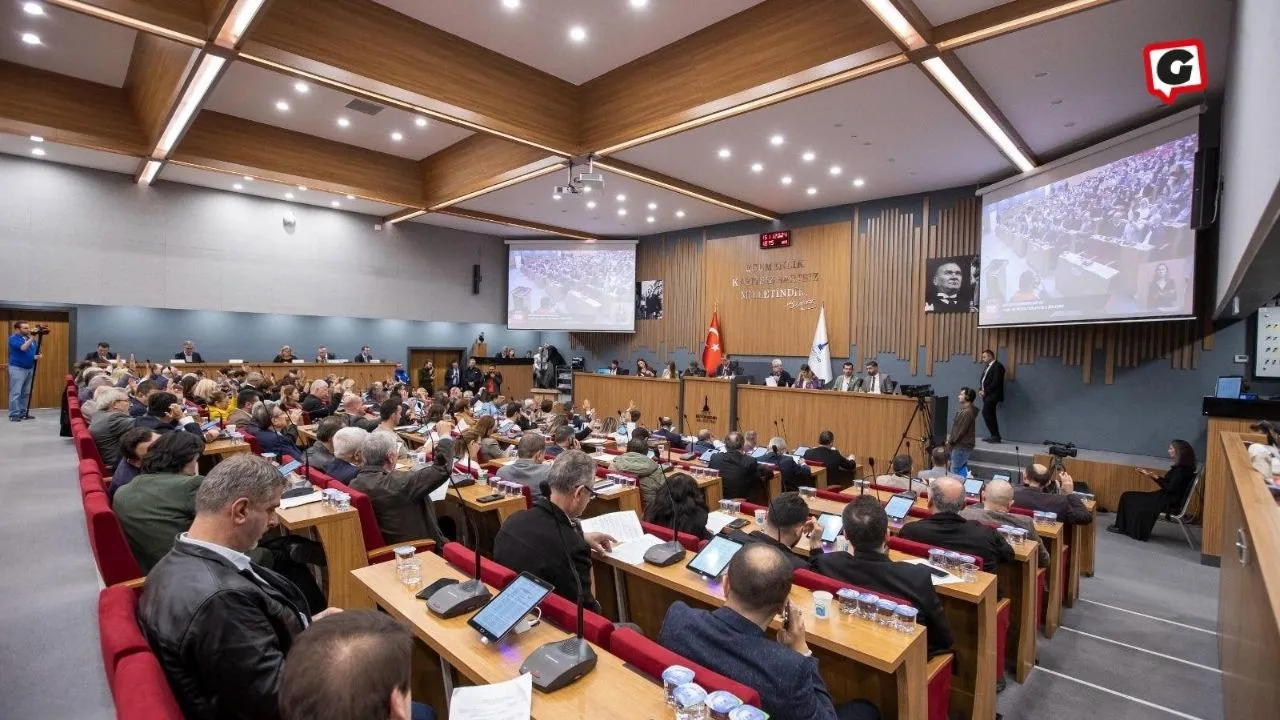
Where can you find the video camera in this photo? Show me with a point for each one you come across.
(1061, 449)
(917, 391)
(40, 329)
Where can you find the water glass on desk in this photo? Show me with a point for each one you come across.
(1042, 519)
(867, 605)
(691, 702)
(904, 618)
(968, 568)
(952, 560)
(808, 491)
(673, 677)
(848, 600)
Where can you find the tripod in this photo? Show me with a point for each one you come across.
(926, 440)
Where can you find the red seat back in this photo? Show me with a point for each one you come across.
(106, 540)
(87, 449)
(835, 496)
(919, 549)
(750, 508)
(251, 440)
(364, 509)
(90, 482)
(689, 542)
(141, 690)
(815, 581)
(651, 659)
(1022, 511)
(564, 615)
(118, 626)
(462, 558)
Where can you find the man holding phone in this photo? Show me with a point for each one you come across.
(731, 640)
(785, 523)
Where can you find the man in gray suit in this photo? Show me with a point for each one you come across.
(875, 382)
(846, 381)
(527, 469)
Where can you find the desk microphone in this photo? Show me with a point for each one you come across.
(783, 421)
(667, 553)
(871, 462)
(458, 598)
(561, 663)
(1017, 454)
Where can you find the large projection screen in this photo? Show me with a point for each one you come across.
(571, 286)
(1103, 237)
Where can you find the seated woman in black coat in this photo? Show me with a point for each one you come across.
(1138, 511)
(679, 500)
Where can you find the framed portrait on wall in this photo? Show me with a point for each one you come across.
(951, 284)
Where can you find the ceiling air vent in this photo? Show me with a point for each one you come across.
(364, 106)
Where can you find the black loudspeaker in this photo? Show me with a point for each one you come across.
(475, 279)
(941, 418)
(1204, 194)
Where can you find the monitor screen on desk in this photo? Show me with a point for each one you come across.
(714, 558)
(1229, 387)
(502, 613)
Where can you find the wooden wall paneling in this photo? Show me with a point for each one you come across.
(67, 110)
(612, 393)
(231, 144)
(706, 402)
(154, 80)
(1005, 18)
(1217, 483)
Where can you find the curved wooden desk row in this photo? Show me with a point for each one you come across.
(868, 425)
(364, 374)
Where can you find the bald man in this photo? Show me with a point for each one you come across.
(997, 498)
(1042, 491)
(946, 528)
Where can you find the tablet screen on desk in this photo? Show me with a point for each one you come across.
(973, 487)
(506, 609)
(211, 425)
(897, 507)
(286, 469)
(714, 558)
(832, 525)
(706, 456)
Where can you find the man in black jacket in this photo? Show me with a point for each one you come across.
(786, 521)
(472, 377)
(453, 376)
(219, 624)
(164, 415)
(319, 402)
(840, 468)
(666, 430)
(740, 475)
(991, 390)
(1041, 492)
(547, 541)
(102, 354)
(188, 353)
(946, 528)
(400, 498)
(867, 565)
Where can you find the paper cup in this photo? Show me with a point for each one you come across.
(822, 604)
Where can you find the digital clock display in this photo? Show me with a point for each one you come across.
(778, 239)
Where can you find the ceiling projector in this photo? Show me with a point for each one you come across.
(568, 189)
(590, 179)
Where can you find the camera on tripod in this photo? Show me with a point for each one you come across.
(917, 391)
(40, 329)
(1061, 449)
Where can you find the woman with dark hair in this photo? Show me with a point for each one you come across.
(643, 369)
(807, 380)
(670, 372)
(289, 398)
(680, 501)
(1138, 510)
(1162, 292)
(160, 503)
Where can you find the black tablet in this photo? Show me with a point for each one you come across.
(506, 609)
(711, 560)
(973, 487)
(897, 507)
(286, 469)
(832, 526)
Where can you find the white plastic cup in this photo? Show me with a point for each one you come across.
(760, 515)
(822, 604)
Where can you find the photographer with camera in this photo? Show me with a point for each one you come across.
(24, 351)
(1045, 490)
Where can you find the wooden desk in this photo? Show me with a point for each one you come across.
(891, 666)
(611, 690)
(1249, 593)
(610, 394)
(339, 533)
(706, 402)
(364, 374)
(517, 375)
(217, 450)
(775, 480)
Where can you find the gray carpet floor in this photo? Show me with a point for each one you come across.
(1140, 645)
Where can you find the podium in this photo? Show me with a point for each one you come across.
(480, 350)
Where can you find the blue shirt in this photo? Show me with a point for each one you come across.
(18, 357)
(402, 376)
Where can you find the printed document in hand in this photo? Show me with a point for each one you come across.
(508, 700)
(937, 580)
(623, 526)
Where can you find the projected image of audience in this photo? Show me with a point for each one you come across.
(1113, 242)
(571, 289)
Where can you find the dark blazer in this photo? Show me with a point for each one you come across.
(690, 372)
(876, 572)
(953, 532)
(471, 379)
(453, 377)
(319, 456)
(279, 359)
(721, 640)
(400, 502)
(784, 378)
(220, 634)
(726, 369)
(163, 427)
(136, 409)
(740, 475)
(317, 408)
(534, 541)
(671, 436)
(110, 356)
(840, 469)
(993, 383)
(1069, 508)
(273, 442)
(760, 536)
(195, 357)
(794, 474)
(360, 359)
(342, 471)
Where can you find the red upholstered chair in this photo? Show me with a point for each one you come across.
(376, 549)
(141, 690)
(106, 539)
(750, 508)
(118, 626)
(690, 543)
(251, 440)
(87, 449)
(651, 659)
(834, 496)
(462, 558)
(90, 482)
(564, 615)
(316, 477)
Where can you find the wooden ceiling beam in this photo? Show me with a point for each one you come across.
(517, 223)
(230, 144)
(157, 72)
(1007, 18)
(184, 21)
(68, 110)
(480, 164)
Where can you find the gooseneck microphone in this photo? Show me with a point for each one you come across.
(561, 663)
(871, 462)
(671, 552)
(457, 599)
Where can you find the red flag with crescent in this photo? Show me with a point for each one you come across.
(713, 349)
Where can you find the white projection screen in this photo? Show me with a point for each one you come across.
(571, 286)
(1103, 237)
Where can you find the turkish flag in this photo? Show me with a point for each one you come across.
(713, 349)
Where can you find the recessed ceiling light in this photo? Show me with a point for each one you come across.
(33, 8)
(511, 4)
(812, 191)
(622, 212)
(420, 121)
(586, 189)
(36, 138)
(351, 197)
(335, 203)
(859, 182)
(621, 198)
(808, 156)
(31, 38)
(343, 122)
(288, 196)
(649, 219)
(786, 179)
(577, 33)
(757, 167)
(397, 136)
(237, 186)
(555, 196)
(38, 152)
(637, 4)
(679, 213)
(248, 178)
(303, 188)
(653, 206)
(301, 88)
(724, 153)
(591, 203)
(834, 170)
(282, 106)
(777, 140)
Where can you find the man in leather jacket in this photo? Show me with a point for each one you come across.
(220, 624)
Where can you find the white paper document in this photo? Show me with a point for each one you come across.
(623, 525)
(716, 521)
(632, 552)
(509, 700)
(286, 503)
(937, 579)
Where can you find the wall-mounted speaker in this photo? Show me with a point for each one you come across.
(1204, 194)
(475, 279)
